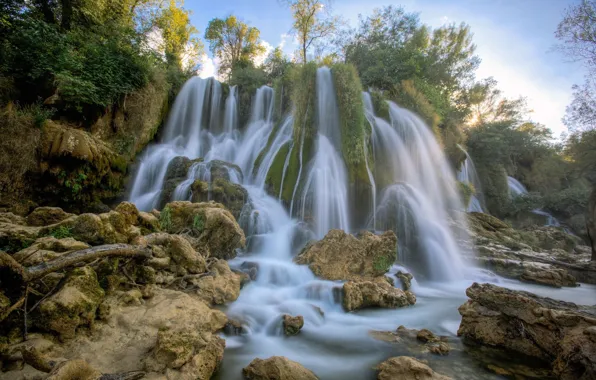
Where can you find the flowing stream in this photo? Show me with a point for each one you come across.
(417, 197)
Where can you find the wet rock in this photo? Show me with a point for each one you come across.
(148, 222)
(130, 212)
(184, 258)
(219, 286)
(233, 327)
(277, 368)
(176, 173)
(292, 325)
(555, 277)
(359, 295)
(232, 195)
(426, 335)
(417, 342)
(74, 305)
(342, 256)
(406, 279)
(222, 169)
(251, 269)
(526, 324)
(209, 225)
(43, 216)
(407, 368)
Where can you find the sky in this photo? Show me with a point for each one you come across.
(514, 39)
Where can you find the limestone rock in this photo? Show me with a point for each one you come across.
(407, 368)
(220, 286)
(277, 368)
(292, 325)
(359, 295)
(232, 195)
(73, 305)
(43, 216)
(182, 254)
(406, 279)
(342, 256)
(524, 323)
(210, 225)
(225, 170)
(176, 173)
(555, 277)
(417, 342)
(130, 212)
(47, 248)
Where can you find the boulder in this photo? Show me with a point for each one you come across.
(342, 256)
(405, 279)
(225, 170)
(182, 256)
(277, 368)
(417, 342)
(208, 224)
(407, 368)
(232, 195)
(130, 212)
(43, 216)
(554, 332)
(363, 294)
(73, 305)
(292, 325)
(176, 173)
(219, 286)
(546, 275)
(47, 248)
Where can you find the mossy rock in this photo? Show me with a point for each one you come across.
(231, 195)
(73, 305)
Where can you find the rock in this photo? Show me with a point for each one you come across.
(555, 277)
(591, 222)
(130, 212)
(148, 221)
(292, 325)
(220, 286)
(232, 195)
(225, 170)
(73, 305)
(417, 342)
(342, 256)
(406, 279)
(43, 216)
(359, 295)
(526, 324)
(47, 248)
(183, 256)
(74, 369)
(176, 173)
(407, 368)
(251, 269)
(277, 368)
(426, 335)
(210, 226)
(233, 327)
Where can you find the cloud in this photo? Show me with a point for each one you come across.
(283, 40)
(209, 67)
(260, 59)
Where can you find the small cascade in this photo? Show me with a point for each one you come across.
(198, 170)
(369, 113)
(517, 189)
(467, 174)
(325, 195)
(183, 136)
(283, 136)
(420, 198)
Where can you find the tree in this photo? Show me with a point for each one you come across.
(276, 64)
(487, 104)
(232, 41)
(312, 22)
(577, 32)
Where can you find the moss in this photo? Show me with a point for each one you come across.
(382, 264)
(198, 223)
(165, 218)
(61, 232)
(275, 173)
(380, 104)
(353, 125)
(466, 190)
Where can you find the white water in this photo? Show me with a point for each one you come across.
(517, 189)
(467, 174)
(419, 193)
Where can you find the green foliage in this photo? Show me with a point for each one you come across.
(248, 78)
(75, 181)
(233, 42)
(275, 173)
(466, 190)
(61, 232)
(165, 219)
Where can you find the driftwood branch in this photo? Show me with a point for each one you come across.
(110, 250)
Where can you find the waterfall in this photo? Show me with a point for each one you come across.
(467, 174)
(517, 189)
(231, 112)
(283, 136)
(369, 113)
(420, 199)
(325, 194)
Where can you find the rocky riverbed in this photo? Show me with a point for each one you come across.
(129, 295)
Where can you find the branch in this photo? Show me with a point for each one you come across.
(110, 250)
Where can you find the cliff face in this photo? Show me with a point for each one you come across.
(59, 163)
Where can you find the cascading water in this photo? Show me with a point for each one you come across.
(410, 171)
(420, 196)
(325, 194)
(467, 174)
(517, 189)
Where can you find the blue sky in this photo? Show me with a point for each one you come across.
(514, 39)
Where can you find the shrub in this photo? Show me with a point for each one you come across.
(165, 219)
